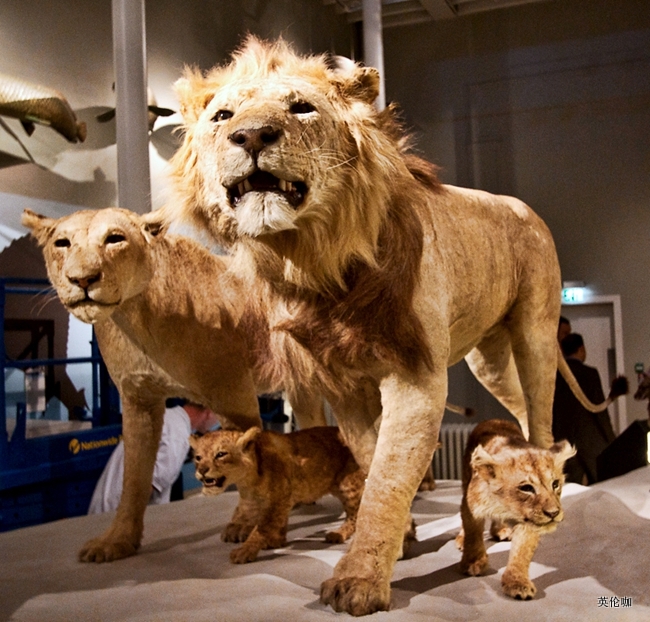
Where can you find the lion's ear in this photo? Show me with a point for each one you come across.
(483, 463)
(357, 82)
(192, 93)
(246, 441)
(562, 451)
(154, 224)
(39, 225)
(194, 441)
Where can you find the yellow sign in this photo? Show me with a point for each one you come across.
(75, 446)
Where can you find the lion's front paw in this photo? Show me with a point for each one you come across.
(357, 596)
(243, 555)
(460, 540)
(474, 567)
(520, 588)
(236, 532)
(106, 550)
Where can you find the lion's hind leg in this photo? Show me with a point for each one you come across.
(493, 364)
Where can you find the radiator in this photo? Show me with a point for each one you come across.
(448, 459)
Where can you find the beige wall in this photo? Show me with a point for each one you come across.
(549, 102)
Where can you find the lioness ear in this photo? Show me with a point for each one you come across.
(483, 463)
(246, 441)
(154, 224)
(192, 93)
(40, 226)
(562, 451)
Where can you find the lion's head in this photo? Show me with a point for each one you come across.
(288, 151)
(96, 259)
(518, 484)
(223, 458)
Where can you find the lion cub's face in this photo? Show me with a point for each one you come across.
(518, 484)
(96, 259)
(223, 458)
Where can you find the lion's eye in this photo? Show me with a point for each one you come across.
(114, 238)
(527, 488)
(301, 108)
(62, 243)
(222, 115)
(220, 454)
(556, 484)
(197, 458)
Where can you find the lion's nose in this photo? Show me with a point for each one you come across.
(551, 513)
(85, 281)
(254, 140)
(202, 469)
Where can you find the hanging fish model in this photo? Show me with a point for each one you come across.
(32, 103)
(153, 111)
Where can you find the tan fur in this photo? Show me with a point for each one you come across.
(273, 472)
(160, 335)
(518, 486)
(370, 277)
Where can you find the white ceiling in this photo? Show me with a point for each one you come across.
(405, 12)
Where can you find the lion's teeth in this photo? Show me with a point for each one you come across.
(282, 185)
(247, 186)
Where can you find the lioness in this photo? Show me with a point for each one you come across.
(273, 472)
(161, 331)
(371, 277)
(519, 485)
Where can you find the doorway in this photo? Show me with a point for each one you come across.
(598, 320)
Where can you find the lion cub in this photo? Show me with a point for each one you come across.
(273, 472)
(517, 484)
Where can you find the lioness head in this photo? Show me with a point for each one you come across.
(96, 259)
(223, 458)
(519, 484)
(286, 150)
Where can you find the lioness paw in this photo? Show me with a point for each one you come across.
(99, 550)
(357, 596)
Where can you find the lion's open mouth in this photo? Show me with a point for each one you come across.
(210, 482)
(261, 181)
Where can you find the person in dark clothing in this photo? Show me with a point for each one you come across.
(589, 432)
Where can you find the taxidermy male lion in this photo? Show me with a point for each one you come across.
(159, 334)
(371, 277)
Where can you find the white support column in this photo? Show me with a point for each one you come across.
(373, 44)
(130, 63)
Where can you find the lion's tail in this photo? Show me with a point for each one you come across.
(620, 386)
(460, 410)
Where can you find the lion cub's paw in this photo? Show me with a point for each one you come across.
(100, 550)
(243, 555)
(460, 540)
(520, 588)
(474, 567)
(236, 532)
(359, 597)
(334, 537)
(501, 532)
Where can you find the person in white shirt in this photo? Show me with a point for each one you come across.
(179, 423)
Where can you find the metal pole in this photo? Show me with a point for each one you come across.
(130, 61)
(373, 44)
